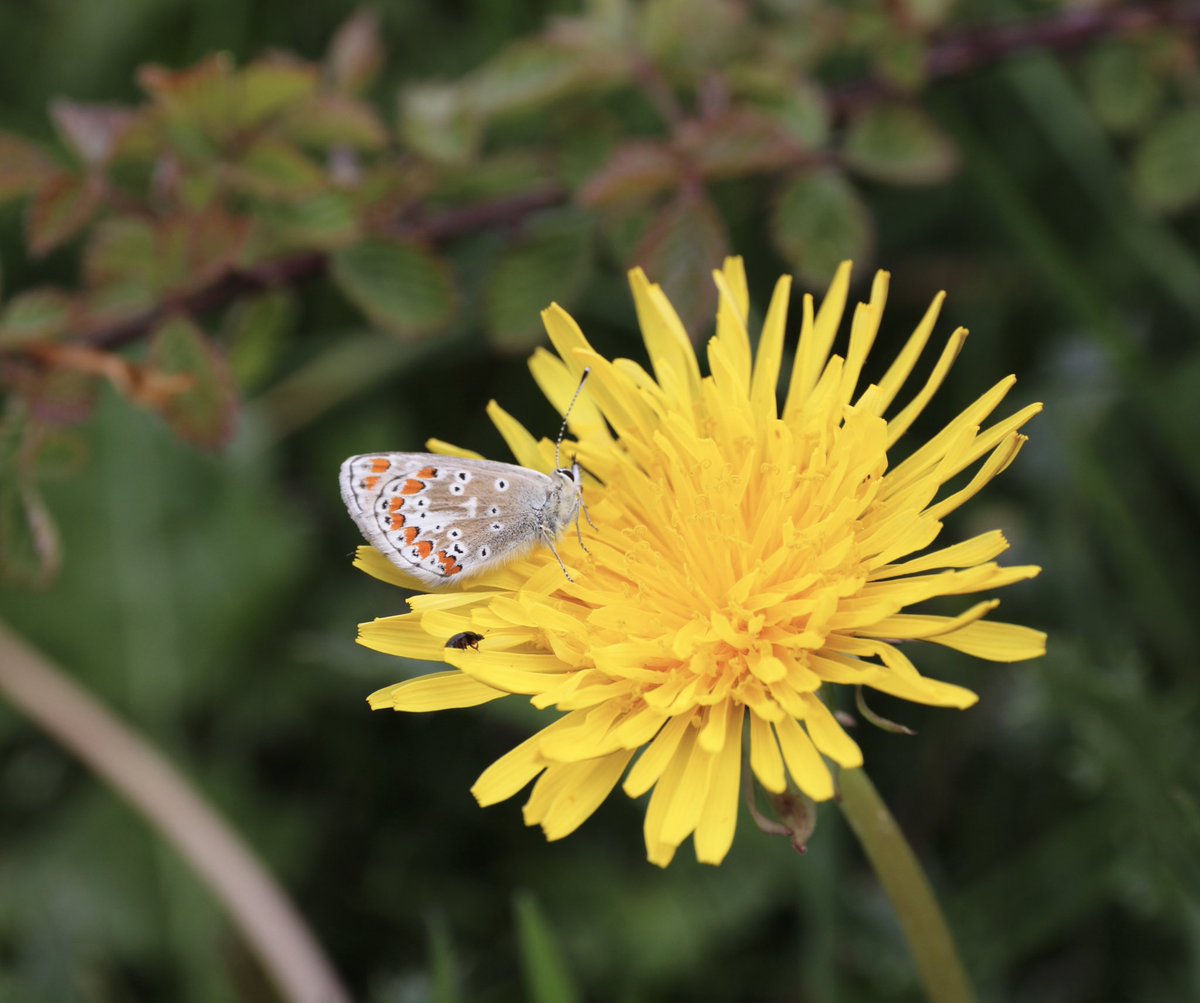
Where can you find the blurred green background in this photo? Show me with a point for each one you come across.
(208, 597)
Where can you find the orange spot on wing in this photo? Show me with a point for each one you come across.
(396, 504)
(380, 465)
(370, 482)
(449, 562)
(424, 548)
(397, 521)
(410, 534)
(412, 487)
(427, 472)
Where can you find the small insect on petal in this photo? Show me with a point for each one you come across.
(467, 639)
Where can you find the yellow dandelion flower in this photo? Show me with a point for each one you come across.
(748, 558)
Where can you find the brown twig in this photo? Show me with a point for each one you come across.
(258, 907)
(959, 52)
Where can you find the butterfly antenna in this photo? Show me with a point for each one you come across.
(567, 414)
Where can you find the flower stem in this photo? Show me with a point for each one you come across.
(938, 966)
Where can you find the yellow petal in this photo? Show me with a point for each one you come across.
(828, 735)
(765, 760)
(804, 763)
(436, 691)
(997, 642)
(718, 818)
(765, 383)
(588, 784)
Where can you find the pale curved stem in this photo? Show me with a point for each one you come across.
(256, 904)
(938, 966)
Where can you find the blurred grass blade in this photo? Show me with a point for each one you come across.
(546, 977)
(443, 964)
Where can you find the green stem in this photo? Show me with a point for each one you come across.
(938, 966)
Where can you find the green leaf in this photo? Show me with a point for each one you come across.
(325, 221)
(202, 413)
(255, 330)
(35, 315)
(740, 142)
(899, 144)
(60, 209)
(547, 978)
(200, 103)
(268, 86)
(336, 120)
(194, 249)
(684, 242)
(399, 285)
(120, 249)
(1166, 166)
(1122, 86)
(355, 52)
(274, 169)
(636, 169)
(820, 220)
(551, 263)
(437, 122)
(531, 74)
(24, 165)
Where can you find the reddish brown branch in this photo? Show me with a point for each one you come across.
(960, 52)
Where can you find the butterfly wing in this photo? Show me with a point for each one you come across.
(440, 518)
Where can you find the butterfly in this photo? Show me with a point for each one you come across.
(443, 519)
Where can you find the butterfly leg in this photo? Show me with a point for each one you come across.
(579, 533)
(550, 544)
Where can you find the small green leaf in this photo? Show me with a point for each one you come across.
(1122, 86)
(741, 142)
(23, 166)
(636, 169)
(200, 103)
(530, 74)
(268, 86)
(819, 220)
(436, 121)
(1166, 166)
(274, 169)
(355, 52)
(60, 209)
(547, 978)
(255, 330)
(551, 263)
(899, 144)
(203, 411)
(684, 242)
(336, 120)
(902, 60)
(193, 249)
(399, 285)
(325, 221)
(35, 315)
(120, 249)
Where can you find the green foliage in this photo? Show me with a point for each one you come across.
(399, 285)
(899, 144)
(820, 220)
(1166, 168)
(285, 259)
